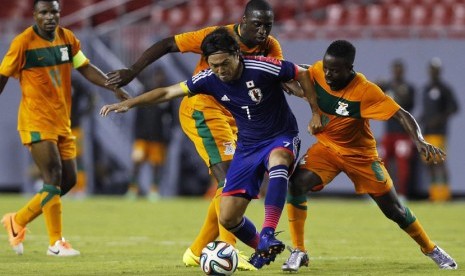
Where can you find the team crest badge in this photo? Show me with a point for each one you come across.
(64, 54)
(256, 95)
(342, 109)
(229, 148)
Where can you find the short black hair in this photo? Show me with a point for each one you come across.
(220, 40)
(36, 1)
(342, 49)
(257, 5)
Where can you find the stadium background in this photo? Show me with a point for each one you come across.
(115, 32)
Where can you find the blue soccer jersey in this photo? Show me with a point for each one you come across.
(256, 100)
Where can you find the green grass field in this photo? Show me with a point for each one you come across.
(118, 237)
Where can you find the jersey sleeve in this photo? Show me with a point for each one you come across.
(275, 49)
(197, 84)
(185, 88)
(79, 59)
(288, 71)
(316, 71)
(14, 59)
(191, 41)
(376, 104)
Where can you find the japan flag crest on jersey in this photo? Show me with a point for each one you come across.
(256, 95)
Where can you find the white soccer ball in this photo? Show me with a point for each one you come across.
(218, 258)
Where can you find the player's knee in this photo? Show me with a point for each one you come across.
(303, 181)
(66, 187)
(68, 182)
(295, 188)
(227, 221)
(53, 175)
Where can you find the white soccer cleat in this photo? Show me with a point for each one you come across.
(62, 248)
(295, 261)
(442, 259)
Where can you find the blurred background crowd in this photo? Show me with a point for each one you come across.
(408, 46)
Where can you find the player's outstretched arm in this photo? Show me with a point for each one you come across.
(293, 87)
(3, 81)
(151, 97)
(96, 76)
(308, 88)
(409, 123)
(124, 76)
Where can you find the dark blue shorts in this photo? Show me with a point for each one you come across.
(249, 164)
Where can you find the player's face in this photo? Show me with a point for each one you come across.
(225, 66)
(256, 27)
(337, 72)
(47, 17)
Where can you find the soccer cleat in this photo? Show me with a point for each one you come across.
(296, 260)
(243, 263)
(16, 233)
(269, 245)
(258, 261)
(62, 248)
(189, 259)
(153, 196)
(131, 195)
(442, 259)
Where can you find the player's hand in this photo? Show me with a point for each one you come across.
(431, 152)
(293, 88)
(315, 125)
(121, 94)
(117, 108)
(120, 77)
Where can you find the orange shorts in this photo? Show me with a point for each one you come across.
(66, 144)
(211, 128)
(154, 152)
(368, 174)
(77, 132)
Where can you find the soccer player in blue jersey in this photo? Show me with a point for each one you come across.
(249, 87)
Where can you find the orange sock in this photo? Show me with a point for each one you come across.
(209, 231)
(51, 207)
(439, 192)
(30, 211)
(81, 180)
(224, 234)
(211, 192)
(416, 231)
(297, 215)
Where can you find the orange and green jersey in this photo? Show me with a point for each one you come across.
(345, 114)
(191, 41)
(43, 68)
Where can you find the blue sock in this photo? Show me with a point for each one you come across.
(275, 196)
(246, 232)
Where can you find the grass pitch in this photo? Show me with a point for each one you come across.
(119, 237)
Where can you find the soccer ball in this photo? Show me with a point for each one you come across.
(218, 258)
